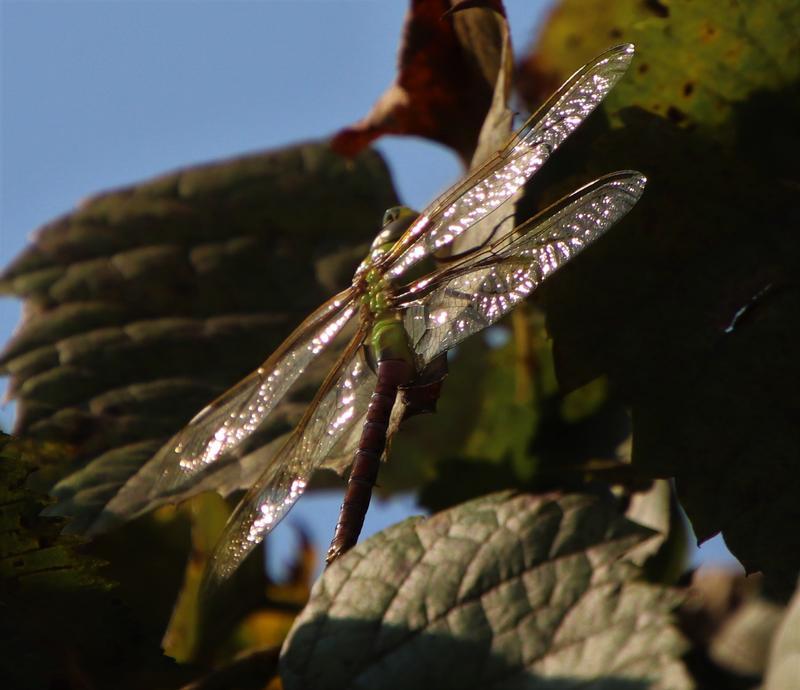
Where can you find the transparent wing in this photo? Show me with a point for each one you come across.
(442, 310)
(330, 421)
(221, 429)
(506, 172)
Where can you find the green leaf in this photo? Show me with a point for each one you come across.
(182, 638)
(503, 591)
(689, 306)
(146, 302)
(503, 423)
(698, 60)
(63, 622)
(702, 60)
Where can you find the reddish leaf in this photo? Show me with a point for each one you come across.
(448, 66)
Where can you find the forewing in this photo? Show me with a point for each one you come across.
(220, 431)
(503, 175)
(475, 293)
(331, 420)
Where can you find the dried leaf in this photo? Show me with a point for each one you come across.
(448, 67)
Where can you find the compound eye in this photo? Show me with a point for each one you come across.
(391, 215)
(395, 222)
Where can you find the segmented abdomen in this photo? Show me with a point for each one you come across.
(392, 373)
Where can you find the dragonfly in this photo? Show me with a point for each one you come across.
(403, 328)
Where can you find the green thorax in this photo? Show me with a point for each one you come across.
(388, 338)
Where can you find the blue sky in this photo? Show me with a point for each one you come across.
(104, 93)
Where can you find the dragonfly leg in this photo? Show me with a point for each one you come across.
(392, 373)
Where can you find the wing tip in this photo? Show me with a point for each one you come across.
(636, 176)
(637, 180)
(633, 183)
(623, 51)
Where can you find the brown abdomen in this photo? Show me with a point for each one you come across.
(392, 373)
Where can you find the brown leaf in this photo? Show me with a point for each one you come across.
(448, 66)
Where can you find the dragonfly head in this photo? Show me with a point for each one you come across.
(396, 221)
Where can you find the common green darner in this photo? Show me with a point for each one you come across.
(402, 329)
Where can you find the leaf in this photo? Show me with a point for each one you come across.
(574, 32)
(689, 306)
(784, 658)
(503, 423)
(64, 623)
(663, 558)
(182, 638)
(742, 645)
(245, 673)
(448, 67)
(494, 132)
(257, 613)
(731, 622)
(146, 302)
(503, 591)
(698, 60)
(719, 56)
